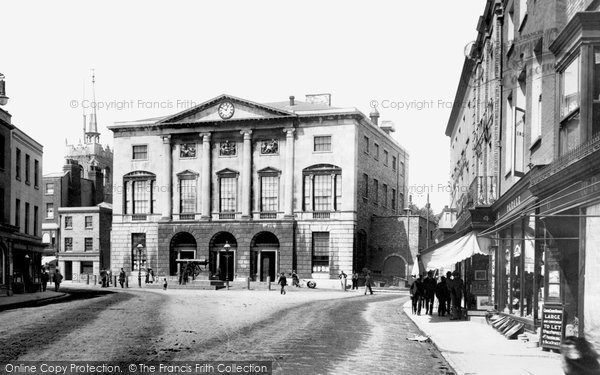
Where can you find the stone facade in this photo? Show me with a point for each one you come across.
(310, 152)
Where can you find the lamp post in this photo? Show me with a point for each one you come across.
(139, 247)
(226, 248)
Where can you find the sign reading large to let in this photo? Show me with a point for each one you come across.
(553, 327)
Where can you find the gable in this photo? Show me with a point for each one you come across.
(242, 110)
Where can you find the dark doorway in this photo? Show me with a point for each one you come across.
(68, 270)
(267, 268)
(226, 261)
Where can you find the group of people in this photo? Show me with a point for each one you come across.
(57, 278)
(449, 291)
(344, 281)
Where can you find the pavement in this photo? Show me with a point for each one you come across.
(474, 347)
(29, 299)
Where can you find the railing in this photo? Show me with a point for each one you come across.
(321, 215)
(138, 217)
(226, 215)
(267, 215)
(187, 216)
(580, 152)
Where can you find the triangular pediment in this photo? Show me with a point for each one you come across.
(232, 109)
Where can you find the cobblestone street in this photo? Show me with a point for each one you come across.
(303, 332)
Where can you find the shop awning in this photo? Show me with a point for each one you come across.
(455, 251)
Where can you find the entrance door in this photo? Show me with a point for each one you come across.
(226, 262)
(68, 270)
(267, 265)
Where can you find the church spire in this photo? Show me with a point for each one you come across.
(92, 135)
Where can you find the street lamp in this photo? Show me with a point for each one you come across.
(226, 248)
(140, 247)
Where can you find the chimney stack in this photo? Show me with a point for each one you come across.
(292, 100)
(374, 115)
(388, 127)
(3, 97)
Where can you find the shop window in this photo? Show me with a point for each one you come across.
(87, 268)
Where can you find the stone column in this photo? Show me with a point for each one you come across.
(165, 191)
(206, 214)
(288, 178)
(246, 173)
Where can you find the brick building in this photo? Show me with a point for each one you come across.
(544, 157)
(85, 237)
(20, 203)
(286, 185)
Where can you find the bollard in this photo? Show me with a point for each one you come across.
(248, 280)
(87, 282)
(95, 279)
(345, 282)
(269, 282)
(115, 280)
(127, 282)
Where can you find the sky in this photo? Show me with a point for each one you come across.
(158, 58)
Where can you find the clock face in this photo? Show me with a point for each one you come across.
(226, 110)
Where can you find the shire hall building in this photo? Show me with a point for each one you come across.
(254, 189)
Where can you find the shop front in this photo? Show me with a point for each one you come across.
(516, 261)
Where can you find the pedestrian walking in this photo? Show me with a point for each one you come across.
(108, 277)
(368, 283)
(442, 294)
(45, 277)
(355, 281)
(456, 294)
(165, 284)
(449, 285)
(283, 282)
(122, 276)
(419, 294)
(103, 277)
(429, 283)
(343, 280)
(57, 278)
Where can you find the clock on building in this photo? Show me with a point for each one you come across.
(226, 110)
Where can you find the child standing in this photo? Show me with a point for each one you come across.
(165, 284)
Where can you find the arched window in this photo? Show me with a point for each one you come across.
(139, 194)
(322, 188)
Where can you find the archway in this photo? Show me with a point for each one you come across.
(394, 265)
(183, 246)
(264, 256)
(222, 256)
